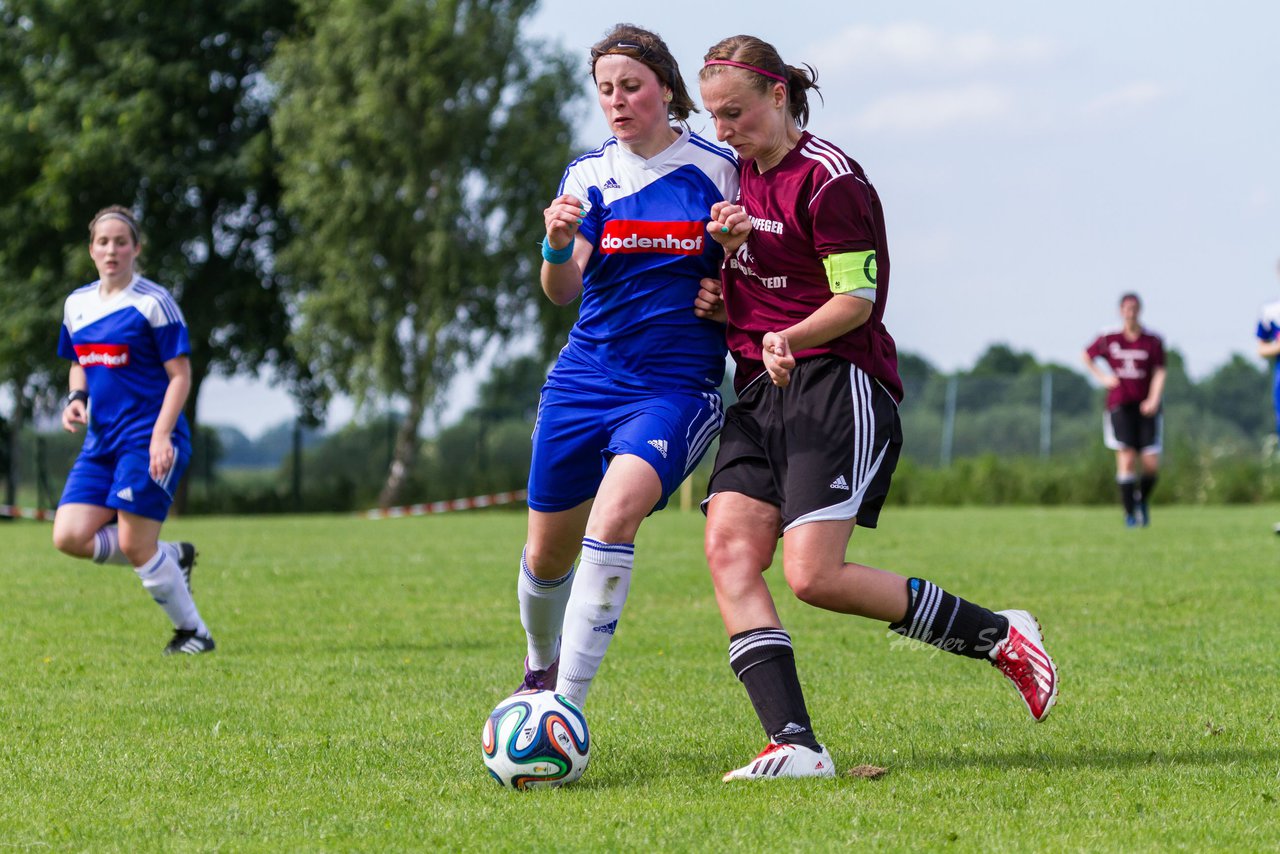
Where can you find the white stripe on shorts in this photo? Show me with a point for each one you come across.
(864, 466)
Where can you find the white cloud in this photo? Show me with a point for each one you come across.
(1128, 97)
(916, 47)
(931, 110)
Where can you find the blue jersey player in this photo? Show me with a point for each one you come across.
(632, 402)
(1269, 347)
(130, 376)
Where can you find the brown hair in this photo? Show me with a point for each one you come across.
(116, 212)
(1131, 296)
(761, 55)
(648, 48)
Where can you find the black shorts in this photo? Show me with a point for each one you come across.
(823, 448)
(1126, 427)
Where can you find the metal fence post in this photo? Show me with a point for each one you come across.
(1046, 414)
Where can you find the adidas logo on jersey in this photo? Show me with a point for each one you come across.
(607, 628)
(840, 483)
(125, 494)
(612, 184)
(661, 445)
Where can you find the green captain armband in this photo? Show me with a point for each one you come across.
(851, 271)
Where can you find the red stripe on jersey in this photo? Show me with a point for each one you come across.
(626, 236)
(102, 355)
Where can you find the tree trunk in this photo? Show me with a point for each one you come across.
(405, 456)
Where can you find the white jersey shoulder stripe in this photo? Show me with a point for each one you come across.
(833, 160)
(713, 148)
(163, 299)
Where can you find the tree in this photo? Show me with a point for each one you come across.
(162, 107)
(421, 140)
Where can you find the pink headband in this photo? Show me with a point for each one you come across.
(754, 68)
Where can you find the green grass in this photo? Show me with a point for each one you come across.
(357, 661)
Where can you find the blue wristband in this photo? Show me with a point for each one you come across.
(556, 256)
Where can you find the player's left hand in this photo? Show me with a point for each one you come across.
(709, 303)
(1149, 407)
(775, 351)
(162, 454)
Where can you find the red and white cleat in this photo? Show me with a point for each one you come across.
(785, 760)
(1022, 657)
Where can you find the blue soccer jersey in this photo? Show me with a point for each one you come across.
(646, 220)
(122, 342)
(1268, 329)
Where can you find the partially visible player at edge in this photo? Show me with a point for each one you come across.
(808, 450)
(130, 376)
(632, 403)
(1269, 348)
(1133, 425)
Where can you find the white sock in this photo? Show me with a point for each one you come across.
(542, 605)
(106, 547)
(163, 580)
(599, 591)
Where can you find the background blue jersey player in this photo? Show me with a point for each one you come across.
(1269, 347)
(130, 376)
(632, 402)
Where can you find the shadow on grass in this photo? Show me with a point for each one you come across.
(1100, 758)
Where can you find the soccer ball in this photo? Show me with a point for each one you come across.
(535, 738)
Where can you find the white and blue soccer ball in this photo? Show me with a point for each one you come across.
(535, 738)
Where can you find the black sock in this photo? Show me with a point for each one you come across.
(1128, 496)
(948, 622)
(766, 664)
(1146, 485)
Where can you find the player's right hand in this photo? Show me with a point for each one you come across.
(775, 352)
(563, 217)
(74, 413)
(729, 225)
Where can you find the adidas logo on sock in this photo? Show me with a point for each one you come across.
(840, 483)
(661, 445)
(792, 728)
(607, 628)
(125, 494)
(611, 184)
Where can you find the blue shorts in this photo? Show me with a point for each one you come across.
(122, 479)
(580, 430)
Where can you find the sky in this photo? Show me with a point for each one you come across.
(1035, 161)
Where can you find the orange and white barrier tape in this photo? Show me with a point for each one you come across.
(15, 512)
(448, 506)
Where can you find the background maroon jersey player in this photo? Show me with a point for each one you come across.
(1133, 425)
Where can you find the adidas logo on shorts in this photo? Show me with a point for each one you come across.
(840, 483)
(661, 445)
(125, 494)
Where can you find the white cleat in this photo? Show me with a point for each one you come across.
(785, 760)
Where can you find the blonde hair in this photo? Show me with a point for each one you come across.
(767, 69)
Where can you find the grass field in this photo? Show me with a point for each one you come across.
(357, 661)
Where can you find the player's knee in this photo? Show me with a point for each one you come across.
(550, 560)
(807, 581)
(69, 541)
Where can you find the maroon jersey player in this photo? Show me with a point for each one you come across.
(1133, 426)
(809, 449)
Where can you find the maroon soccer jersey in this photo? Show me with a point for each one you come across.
(1133, 361)
(816, 202)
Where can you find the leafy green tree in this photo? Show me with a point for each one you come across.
(162, 107)
(1240, 392)
(421, 141)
